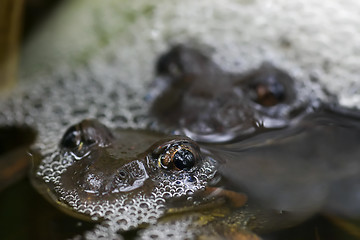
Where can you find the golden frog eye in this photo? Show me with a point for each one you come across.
(269, 94)
(178, 157)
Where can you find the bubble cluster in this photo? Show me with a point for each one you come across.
(314, 41)
(52, 106)
(170, 230)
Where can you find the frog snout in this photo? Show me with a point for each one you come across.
(124, 177)
(129, 177)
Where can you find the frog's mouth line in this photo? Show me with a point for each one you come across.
(210, 198)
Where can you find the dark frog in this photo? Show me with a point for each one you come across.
(123, 176)
(195, 95)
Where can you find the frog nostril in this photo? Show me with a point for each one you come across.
(122, 174)
(121, 179)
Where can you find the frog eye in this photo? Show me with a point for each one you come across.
(71, 138)
(269, 94)
(178, 156)
(84, 134)
(269, 85)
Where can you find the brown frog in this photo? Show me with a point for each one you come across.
(122, 176)
(126, 179)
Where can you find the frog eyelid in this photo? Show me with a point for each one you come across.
(85, 134)
(165, 159)
(159, 161)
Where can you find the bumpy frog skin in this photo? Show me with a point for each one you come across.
(117, 171)
(122, 176)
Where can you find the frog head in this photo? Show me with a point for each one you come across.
(193, 94)
(124, 176)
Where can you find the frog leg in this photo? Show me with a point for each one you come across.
(236, 199)
(230, 232)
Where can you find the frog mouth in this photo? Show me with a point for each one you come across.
(211, 197)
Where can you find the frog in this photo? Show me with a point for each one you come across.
(109, 167)
(103, 174)
(192, 93)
